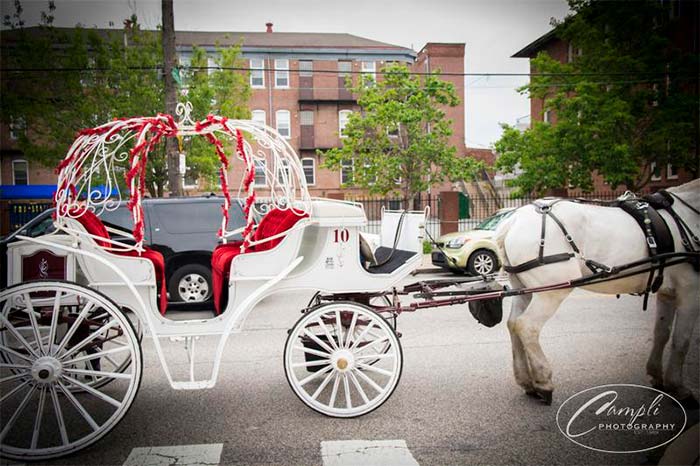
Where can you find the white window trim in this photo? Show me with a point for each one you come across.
(26, 164)
(372, 71)
(259, 112)
(352, 169)
(340, 126)
(342, 73)
(652, 169)
(263, 164)
(547, 116)
(313, 170)
(306, 73)
(669, 172)
(281, 70)
(211, 65)
(289, 121)
(257, 68)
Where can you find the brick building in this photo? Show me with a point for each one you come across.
(298, 87)
(685, 13)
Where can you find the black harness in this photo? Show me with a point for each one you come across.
(656, 232)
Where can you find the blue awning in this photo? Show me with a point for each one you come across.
(42, 191)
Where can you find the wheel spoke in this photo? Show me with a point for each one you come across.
(74, 328)
(334, 391)
(78, 406)
(112, 362)
(318, 341)
(104, 397)
(33, 322)
(54, 320)
(15, 366)
(375, 369)
(323, 385)
(15, 353)
(354, 381)
(37, 419)
(376, 356)
(362, 335)
(101, 354)
(113, 375)
(331, 340)
(9, 394)
(313, 351)
(346, 387)
(59, 416)
(10, 378)
(371, 382)
(18, 411)
(89, 338)
(351, 330)
(322, 362)
(371, 344)
(315, 375)
(18, 335)
(339, 324)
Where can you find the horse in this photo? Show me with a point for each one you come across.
(609, 236)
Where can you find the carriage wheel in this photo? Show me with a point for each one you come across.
(327, 362)
(55, 338)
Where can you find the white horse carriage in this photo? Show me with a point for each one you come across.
(70, 350)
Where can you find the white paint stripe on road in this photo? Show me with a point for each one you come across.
(367, 453)
(190, 455)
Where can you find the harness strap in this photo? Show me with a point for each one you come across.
(531, 264)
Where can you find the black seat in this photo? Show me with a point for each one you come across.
(398, 258)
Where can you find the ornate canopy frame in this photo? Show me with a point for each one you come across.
(87, 176)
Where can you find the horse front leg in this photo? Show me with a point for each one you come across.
(528, 327)
(665, 312)
(686, 316)
(521, 371)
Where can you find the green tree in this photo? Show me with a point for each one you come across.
(399, 139)
(626, 99)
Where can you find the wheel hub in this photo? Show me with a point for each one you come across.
(193, 287)
(343, 360)
(46, 369)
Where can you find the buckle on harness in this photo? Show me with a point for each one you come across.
(651, 241)
(642, 205)
(569, 238)
(542, 242)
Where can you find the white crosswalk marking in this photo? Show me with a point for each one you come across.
(190, 455)
(367, 453)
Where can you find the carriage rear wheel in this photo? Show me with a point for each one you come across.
(342, 359)
(56, 338)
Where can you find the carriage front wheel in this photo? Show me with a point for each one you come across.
(343, 359)
(56, 338)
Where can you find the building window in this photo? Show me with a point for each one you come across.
(211, 65)
(306, 68)
(343, 117)
(17, 127)
(20, 172)
(260, 173)
(258, 116)
(370, 68)
(671, 172)
(306, 117)
(547, 116)
(283, 172)
(309, 166)
(283, 123)
(655, 172)
(282, 73)
(344, 68)
(257, 77)
(346, 171)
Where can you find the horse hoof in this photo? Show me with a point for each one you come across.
(545, 396)
(532, 393)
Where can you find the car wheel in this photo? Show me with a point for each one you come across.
(482, 262)
(191, 283)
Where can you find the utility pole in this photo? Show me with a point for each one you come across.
(169, 57)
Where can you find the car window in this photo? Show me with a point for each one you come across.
(199, 217)
(43, 227)
(119, 218)
(492, 222)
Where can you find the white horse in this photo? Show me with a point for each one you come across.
(608, 236)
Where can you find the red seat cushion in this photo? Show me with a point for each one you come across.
(273, 223)
(94, 226)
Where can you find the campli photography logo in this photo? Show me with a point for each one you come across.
(621, 418)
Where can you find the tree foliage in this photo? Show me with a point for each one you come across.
(399, 139)
(626, 99)
(89, 77)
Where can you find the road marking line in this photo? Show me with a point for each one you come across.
(190, 455)
(367, 453)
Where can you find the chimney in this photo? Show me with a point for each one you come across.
(269, 27)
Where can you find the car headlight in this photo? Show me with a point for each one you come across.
(457, 242)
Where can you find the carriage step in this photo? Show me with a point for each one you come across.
(196, 385)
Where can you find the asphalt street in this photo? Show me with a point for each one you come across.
(457, 402)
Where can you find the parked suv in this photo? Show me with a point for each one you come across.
(182, 229)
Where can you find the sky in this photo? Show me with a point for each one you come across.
(492, 30)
